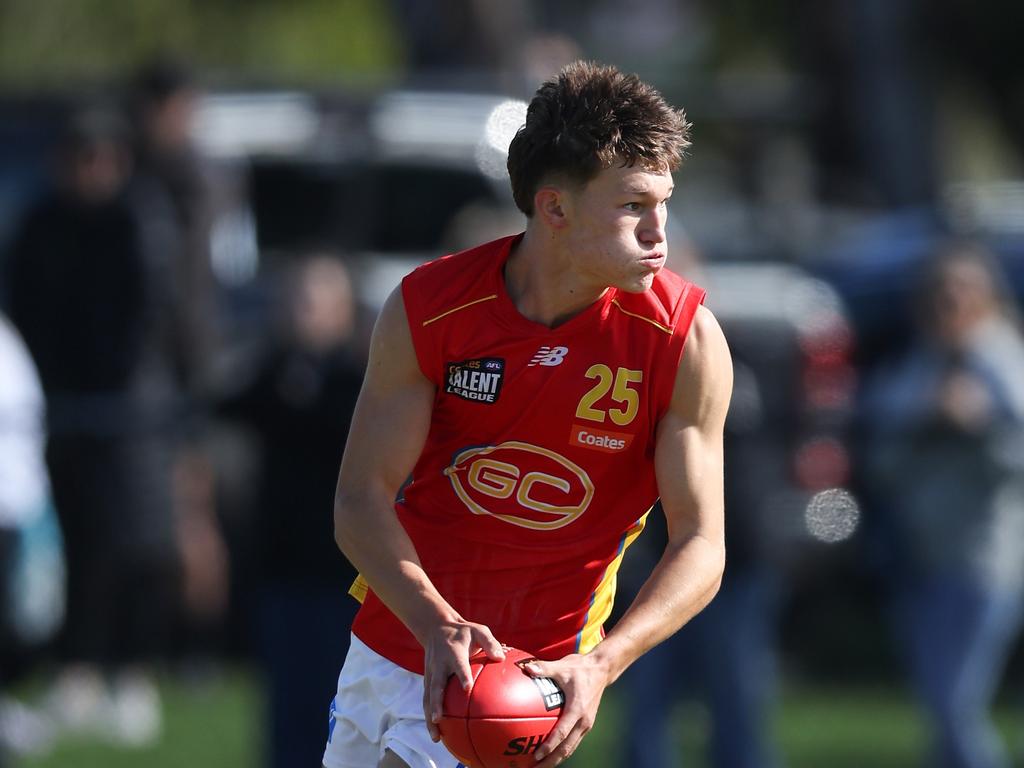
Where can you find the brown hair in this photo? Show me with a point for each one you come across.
(588, 118)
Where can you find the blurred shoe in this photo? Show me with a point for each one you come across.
(136, 714)
(78, 702)
(24, 731)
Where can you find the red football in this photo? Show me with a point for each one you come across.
(502, 719)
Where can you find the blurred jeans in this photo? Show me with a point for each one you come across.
(958, 637)
(726, 657)
(303, 632)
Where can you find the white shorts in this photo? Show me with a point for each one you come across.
(379, 706)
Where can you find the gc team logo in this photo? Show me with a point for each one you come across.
(521, 484)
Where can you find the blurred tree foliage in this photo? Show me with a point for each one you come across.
(55, 43)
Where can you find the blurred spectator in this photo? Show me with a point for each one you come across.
(299, 404)
(946, 460)
(31, 562)
(175, 196)
(173, 191)
(88, 306)
(726, 655)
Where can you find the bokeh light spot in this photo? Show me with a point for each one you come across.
(502, 124)
(832, 515)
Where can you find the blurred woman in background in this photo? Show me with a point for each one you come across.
(946, 460)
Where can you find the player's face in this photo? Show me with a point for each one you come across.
(617, 224)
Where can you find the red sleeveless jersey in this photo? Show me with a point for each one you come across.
(538, 469)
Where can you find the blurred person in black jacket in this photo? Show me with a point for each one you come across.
(299, 404)
(88, 305)
(173, 188)
(175, 193)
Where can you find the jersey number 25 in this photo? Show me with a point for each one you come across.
(621, 392)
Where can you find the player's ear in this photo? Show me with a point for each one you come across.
(549, 205)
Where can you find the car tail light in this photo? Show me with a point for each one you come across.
(827, 385)
(828, 378)
(821, 462)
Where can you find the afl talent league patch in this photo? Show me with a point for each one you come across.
(477, 380)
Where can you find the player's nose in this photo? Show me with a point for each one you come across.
(652, 227)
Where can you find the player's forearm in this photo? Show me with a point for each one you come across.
(368, 532)
(685, 580)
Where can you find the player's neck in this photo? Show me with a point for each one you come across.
(542, 284)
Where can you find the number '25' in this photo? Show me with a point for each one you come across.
(619, 385)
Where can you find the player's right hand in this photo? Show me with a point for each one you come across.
(447, 653)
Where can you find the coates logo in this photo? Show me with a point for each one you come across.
(521, 484)
(549, 356)
(599, 439)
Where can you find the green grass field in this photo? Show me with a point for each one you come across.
(217, 726)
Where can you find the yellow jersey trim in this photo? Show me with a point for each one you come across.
(359, 588)
(460, 307)
(655, 323)
(604, 595)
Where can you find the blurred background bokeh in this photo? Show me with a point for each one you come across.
(202, 207)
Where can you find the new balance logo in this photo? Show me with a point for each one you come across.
(549, 356)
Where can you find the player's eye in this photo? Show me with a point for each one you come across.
(633, 206)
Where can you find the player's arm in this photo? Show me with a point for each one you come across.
(689, 467)
(688, 463)
(389, 429)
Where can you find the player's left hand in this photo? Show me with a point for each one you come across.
(583, 681)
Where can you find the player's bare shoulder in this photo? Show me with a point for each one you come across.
(392, 322)
(392, 414)
(392, 357)
(704, 380)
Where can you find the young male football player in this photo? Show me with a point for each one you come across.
(527, 402)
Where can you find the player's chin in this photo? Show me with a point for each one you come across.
(638, 284)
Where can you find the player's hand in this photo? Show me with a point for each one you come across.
(583, 681)
(447, 653)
